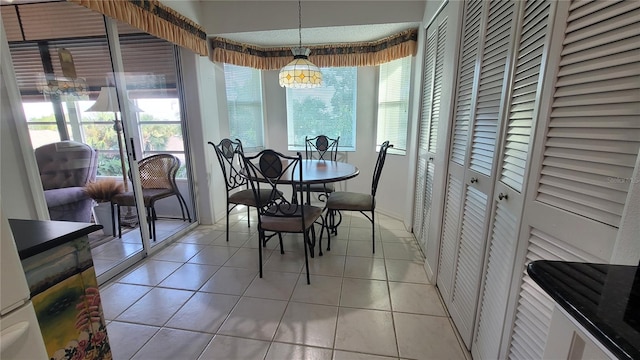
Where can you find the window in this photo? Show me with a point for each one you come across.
(328, 110)
(393, 104)
(244, 103)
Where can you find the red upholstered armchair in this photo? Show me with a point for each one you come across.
(65, 168)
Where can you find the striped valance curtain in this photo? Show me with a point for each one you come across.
(354, 54)
(154, 18)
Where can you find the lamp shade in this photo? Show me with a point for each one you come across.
(300, 73)
(108, 102)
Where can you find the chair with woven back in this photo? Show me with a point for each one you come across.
(158, 180)
(267, 170)
(321, 147)
(238, 192)
(353, 201)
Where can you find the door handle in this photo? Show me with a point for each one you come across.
(503, 196)
(133, 149)
(473, 180)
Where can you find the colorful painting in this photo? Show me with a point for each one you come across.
(68, 305)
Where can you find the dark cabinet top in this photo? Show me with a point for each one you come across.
(35, 236)
(603, 298)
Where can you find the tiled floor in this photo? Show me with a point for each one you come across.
(201, 298)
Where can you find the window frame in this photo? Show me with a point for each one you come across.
(402, 100)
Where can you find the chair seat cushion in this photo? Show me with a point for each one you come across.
(64, 196)
(321, 188)
(341, 200)
(291, 222)
(245, 197)
(150, 196)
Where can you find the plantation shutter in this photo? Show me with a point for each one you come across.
(473, 17)
(469, 265)
(534, 309)
(449, 237)
(423, 141)
(594, 133)
(437, 88)
(494, 60)
(523, 108)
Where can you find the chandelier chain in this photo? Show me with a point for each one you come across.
(299, 24)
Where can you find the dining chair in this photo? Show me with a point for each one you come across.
(321, 147)
(266, 171)
(238, 192)
(353, 201)
(158, 180)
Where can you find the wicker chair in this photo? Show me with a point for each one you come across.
(158, 178)
(351, 201)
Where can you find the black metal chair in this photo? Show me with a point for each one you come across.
(265, 172)
(321, 147)
(229, 156)
(158, 180)
(351, 201)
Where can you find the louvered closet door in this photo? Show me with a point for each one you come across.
(532, 41)
(488, 102)
(430, 125)
(586, 149)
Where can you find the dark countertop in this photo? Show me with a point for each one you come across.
(35, 236)
(603, 298)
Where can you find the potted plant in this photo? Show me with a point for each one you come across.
(102, 191)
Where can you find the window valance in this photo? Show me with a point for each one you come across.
(154, 18)
(335, 55)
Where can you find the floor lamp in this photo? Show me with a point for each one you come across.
(107, 102)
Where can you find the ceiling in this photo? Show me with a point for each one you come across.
(321, 35)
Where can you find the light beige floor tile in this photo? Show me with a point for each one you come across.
(254, 318)
(118, 297)
(248, 258)
(393, 235)
(178, 252)
(241, 227)
(308, 324)
(348, 355)
(116, 250)
(367, 331)
(272, 244)
(415, 298)
(156, 307)
(288, 262)
(213, 255)
(338, 246)
(273, 285)
(365, 268)
(174, 344)
(280, 351)
(204, 312)
(329, 265)
(387, 222)
(189, 276)
(151, 272)
(406, 271)
(360, 233)
(230, 280)
(365, 294)
(426, 337)
(233, 348)
(126, 339)
(236, 239)
(364, 248)
(322, 290)
(201, 237)
(402, 251)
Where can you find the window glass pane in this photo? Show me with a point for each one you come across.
(328, 110)
(393, 104)
(41, 122)
(244, 103)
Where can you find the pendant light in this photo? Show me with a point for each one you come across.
(300, 73)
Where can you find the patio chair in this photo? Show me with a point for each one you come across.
(352, 201)
(158, 179)
(266, 171)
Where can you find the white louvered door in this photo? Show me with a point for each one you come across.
(440, 48)
(483, 116)
(584, 153)
(532, 45)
